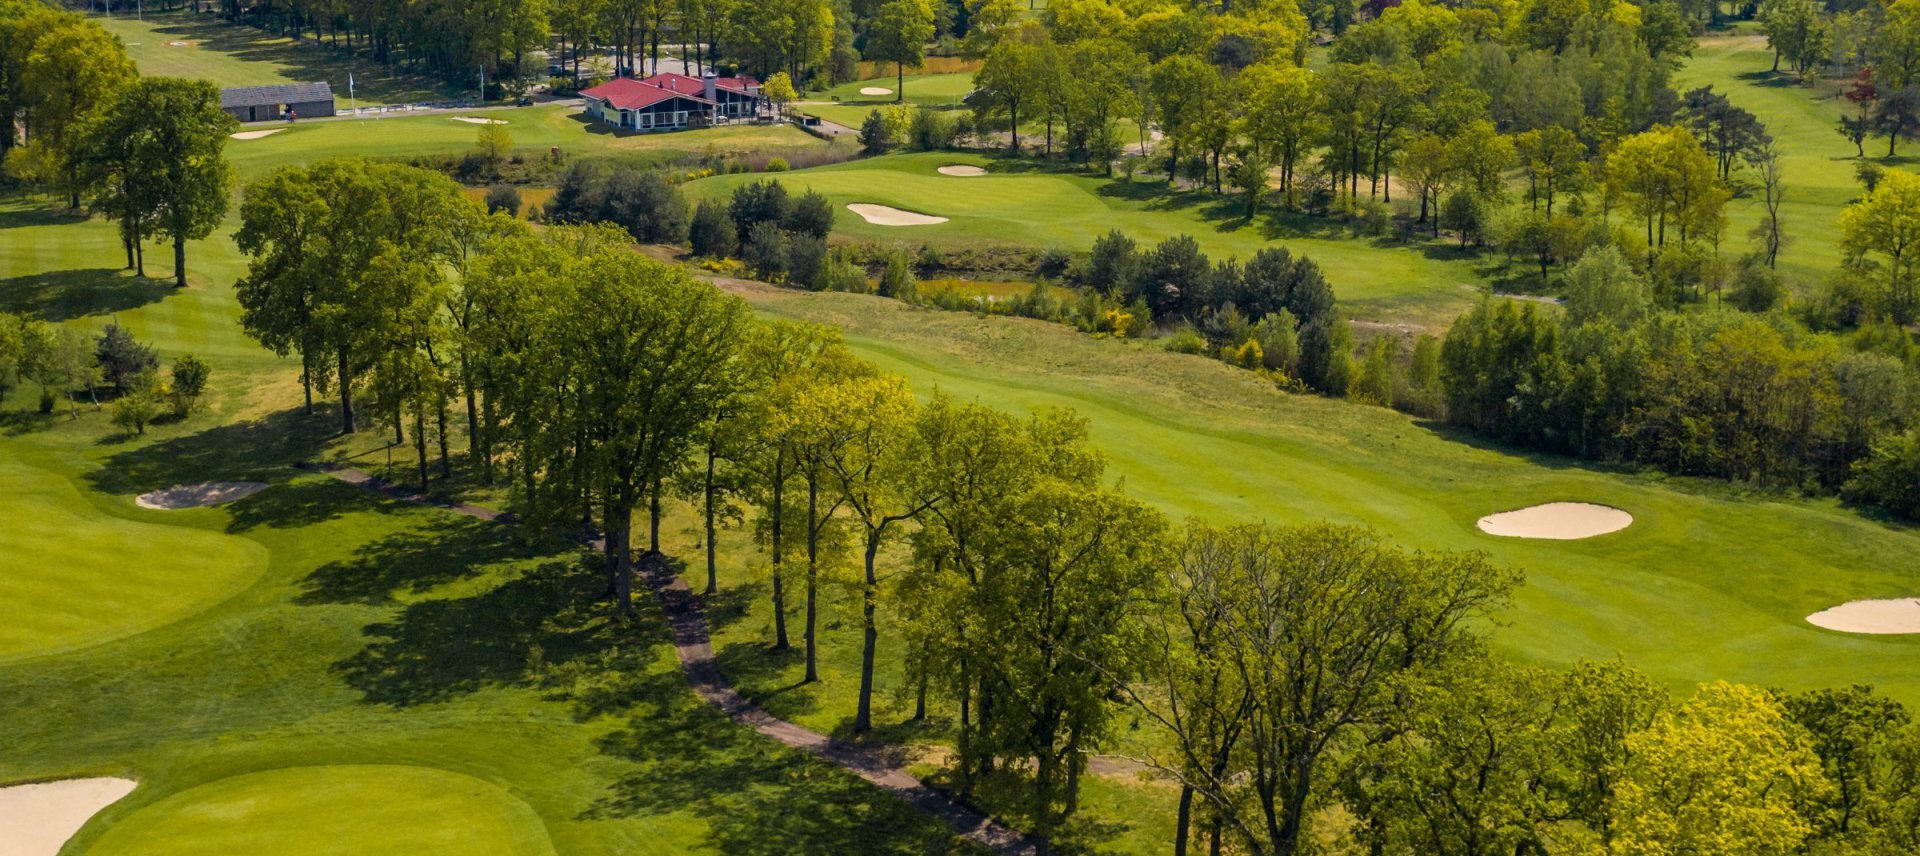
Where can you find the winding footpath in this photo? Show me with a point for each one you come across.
(693, 643)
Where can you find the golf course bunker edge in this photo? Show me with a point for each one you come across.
(197, 496)
(37, 819)
(962, 170)
(886, 215)
(1884, 617)
(1557, 521)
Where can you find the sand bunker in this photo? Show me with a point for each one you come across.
(1557, 521)
(197, 495)
(179, 44)
(962, 170)
(37, 820)
(875, 90)
(1898, 615)
(882, 215)
(476, 120)
(254, 135)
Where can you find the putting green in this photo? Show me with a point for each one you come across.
(76, 576)
(366, 810)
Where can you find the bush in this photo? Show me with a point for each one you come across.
(647, 206)
(711, 234)
(1756, 288)
(766, 251)
(139, 404)
(1053, 262)
(777, 164)
(503, 197)
(189, 383)
(875, 135)
(1186, 340)
(811, 215)
(1112, 264)
(1279, 341)
(1889, 477)
(930, 130)
(806, 257)
(121, 358)
(841, 273)
(757, 202)
(897, 280)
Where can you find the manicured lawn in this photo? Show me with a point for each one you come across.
(1819, 163)
(362, 809)
(161, 573)
(235, 55)
(534, 130)
(1018, 204)
(847, 105)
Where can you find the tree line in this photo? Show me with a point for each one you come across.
(66, 363)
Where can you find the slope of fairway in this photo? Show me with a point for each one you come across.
(847, 105)
(1705, 584)
(367, 810)
(1018, 205)
(76, 576)
(1818, 163)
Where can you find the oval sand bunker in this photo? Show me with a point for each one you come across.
(1557, 521)
(476, 120)
(882, 215)
(875, 90)
(255, 135)
(37, 819)
(962, 170)
(1897, 615)
(197, 495)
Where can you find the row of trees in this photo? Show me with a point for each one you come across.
(149, 153)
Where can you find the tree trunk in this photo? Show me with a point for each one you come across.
(869, 637)
(813, 567)
(179, 262)
(653, 518)
(446, 460)
(779, 560)
(346, 394)
(1182, 820)
(713, 574)
(420, 443)
(619, 524)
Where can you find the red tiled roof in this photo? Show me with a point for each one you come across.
(628, 93)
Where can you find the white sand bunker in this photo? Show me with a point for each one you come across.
(179, 44)
(882, 215)
(197, 495)
(37, 820)
(962, 170)
(875, 90)
(254, 135)
(476, 120)
(1557, 521)
(1899, 615)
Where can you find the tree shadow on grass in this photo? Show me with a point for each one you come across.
(416, 562)
(69, 294)
(760, 797)
(261, 450)
(307, 60)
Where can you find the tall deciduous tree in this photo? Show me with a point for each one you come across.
(169, 137)
(899, 33)
(72, 71)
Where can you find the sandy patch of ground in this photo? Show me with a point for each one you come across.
(1557, 521)
(1897, 615)
(37, 819)
(179, 44)
(875, 90)
(883, 215)
(254, 135)
(197, 495)
(476, 120)
(962, 170)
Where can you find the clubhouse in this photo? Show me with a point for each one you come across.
(667, 102)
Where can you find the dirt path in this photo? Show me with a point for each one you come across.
(693, 644)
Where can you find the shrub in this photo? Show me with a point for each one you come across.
(1889, 476)
(712, 234)
(897, 280)
(139, 404)
(777, 164)
(766, 251)
(649, 208)
(1053, 262)
(1246, 355)
(189, 383)
(875, 137)
(1279, 341)
(121, 358)
(1756, 288)
(1113, 262)
(806, 257)
(841, 273)
(930, 130)
(1186, 340)
(757, 202)
(811, 214)
(503, 197)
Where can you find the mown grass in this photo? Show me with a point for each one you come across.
(846, 105)
(237, 55)
(260, 658)
(1819, 164)
(1019, 204)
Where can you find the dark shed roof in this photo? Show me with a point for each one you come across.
(273, 96)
